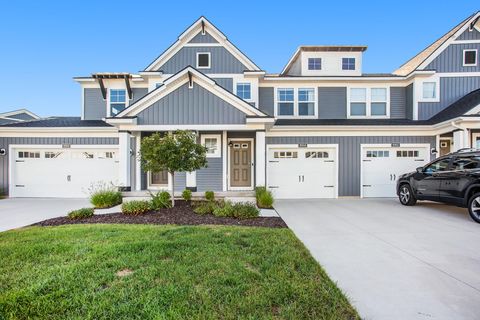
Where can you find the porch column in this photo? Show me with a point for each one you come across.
(260, 158)
(191, 181)
(124, 161)
(460, 139)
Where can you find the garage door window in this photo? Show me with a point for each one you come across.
(285, 154)
(316, 154)
(28, 154)
(378, 154)
(407, 153)
(52, 155)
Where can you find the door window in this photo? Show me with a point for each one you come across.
(438, 166)
(378, 154)
(466, 163)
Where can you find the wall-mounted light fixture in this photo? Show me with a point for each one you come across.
(433, 151)
(3, 152)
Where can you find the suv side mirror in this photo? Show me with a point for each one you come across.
(420, 169)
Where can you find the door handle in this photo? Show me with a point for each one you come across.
(390, 177)
(69, 178)
(303, 178)
(299, 178)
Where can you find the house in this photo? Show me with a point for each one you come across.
(319, 129)
(17, 116)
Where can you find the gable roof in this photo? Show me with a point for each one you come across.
(19, 115)
(435, 48)
(459, 108)
(185, 75)
(191, 32)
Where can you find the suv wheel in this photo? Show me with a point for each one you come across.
(405, 195)
(474, 207)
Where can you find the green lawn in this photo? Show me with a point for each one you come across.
(70, 272)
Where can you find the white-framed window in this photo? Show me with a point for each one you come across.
(203, 60)
(296, 102)
(378, 154)
(28, 154)
(244, 90)
(429, 90)
(118, 101)
(285, 154)
(348, 63)
(368, 102)
(314, 63)
(469, 57)
(407, 153)
(212, 143)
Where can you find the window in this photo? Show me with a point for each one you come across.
(429, 90)
(378, 106)
(407, 153)
(314, 63)
(440, 165)
(117, 101)
(358, 102)
(378, 154)
(212, 143)
(466, 163)
(244, 91)
(285, 102)
(316, 154)
(469, 58)
(306, 102)
(203, 60)
(27, 154)
(348, 63)
(52, 155)
(285, 154)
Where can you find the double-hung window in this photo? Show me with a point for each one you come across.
(366, 102)
(348, 63)
(212, 143)
(118, 101)
(285, 105)
(306, 102)
(314, 63)
(429, 90)
(244, 91)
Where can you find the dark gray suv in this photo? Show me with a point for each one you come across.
(452, 179)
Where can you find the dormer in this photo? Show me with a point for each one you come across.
(325, 61)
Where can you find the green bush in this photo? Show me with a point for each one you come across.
(81, 213)
(225, 210)
(206, 207)
(103, 195)
(161, 200)
(245, 210)
(264, 198)
(209, 195)
(136, 207)
(187, 195)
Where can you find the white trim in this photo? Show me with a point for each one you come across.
(203, 127)
(465, 41)
(209, 60)
(252, 165)
(476, 58)
(121, 120)
(218, 151)
(202, 45)
(19, 111)
(388, 145)
(224, 161)
(458, 74)
(138, 164)
(158, 187)
(296, 102)
(436, 80)
(368, 102)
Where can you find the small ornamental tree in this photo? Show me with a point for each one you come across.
(177, 152)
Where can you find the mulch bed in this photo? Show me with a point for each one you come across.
(181, 214)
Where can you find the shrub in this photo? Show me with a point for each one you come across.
(81, 213)
(259, 191)
(245, 210)
(207, 207)
(161, 200)
(264, 198)
(225, 210)
(187, 195)
(136, 207)
(209, 195)
(104, 195)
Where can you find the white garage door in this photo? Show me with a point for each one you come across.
(295, 173)
(381, 167)
(61, 173)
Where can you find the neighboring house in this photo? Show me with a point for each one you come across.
(320, 129)
(17, 116)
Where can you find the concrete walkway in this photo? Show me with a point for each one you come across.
(394, 262)
(20, 212)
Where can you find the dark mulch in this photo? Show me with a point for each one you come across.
(181, 214)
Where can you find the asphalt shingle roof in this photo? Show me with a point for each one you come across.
(58, 122)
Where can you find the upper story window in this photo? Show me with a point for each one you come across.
(244, 91)
(348, 63)
(366, 102)
(469, 57)
(429, 90)
(314, 63)
(296, 102)
(203, 60)
(118, 101)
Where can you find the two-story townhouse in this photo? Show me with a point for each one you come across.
(319, 129)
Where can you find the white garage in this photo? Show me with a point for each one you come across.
(383, 164)
(60, 172)
(295, 172)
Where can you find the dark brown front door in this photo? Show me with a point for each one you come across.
(444, 147)
(241, 164)
(159, 178)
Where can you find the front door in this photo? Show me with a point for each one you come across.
(444, 147)
(241, 164)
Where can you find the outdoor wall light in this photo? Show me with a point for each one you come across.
(3, 152)
(434, 151)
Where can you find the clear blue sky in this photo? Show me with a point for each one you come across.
(46, 43)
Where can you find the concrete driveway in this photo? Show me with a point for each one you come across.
(20, 212)
(394, 262)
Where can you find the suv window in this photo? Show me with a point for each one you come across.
(440, 165)
(464, 163)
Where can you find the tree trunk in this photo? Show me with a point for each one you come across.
(173, 189)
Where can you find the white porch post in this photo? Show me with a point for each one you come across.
(191, 180)
(460, 139)
(260, 156)
(138, 166)
(124, 160)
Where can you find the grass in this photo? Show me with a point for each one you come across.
(166, 272)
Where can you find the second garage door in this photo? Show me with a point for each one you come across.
(381, 167)
(294, 173)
